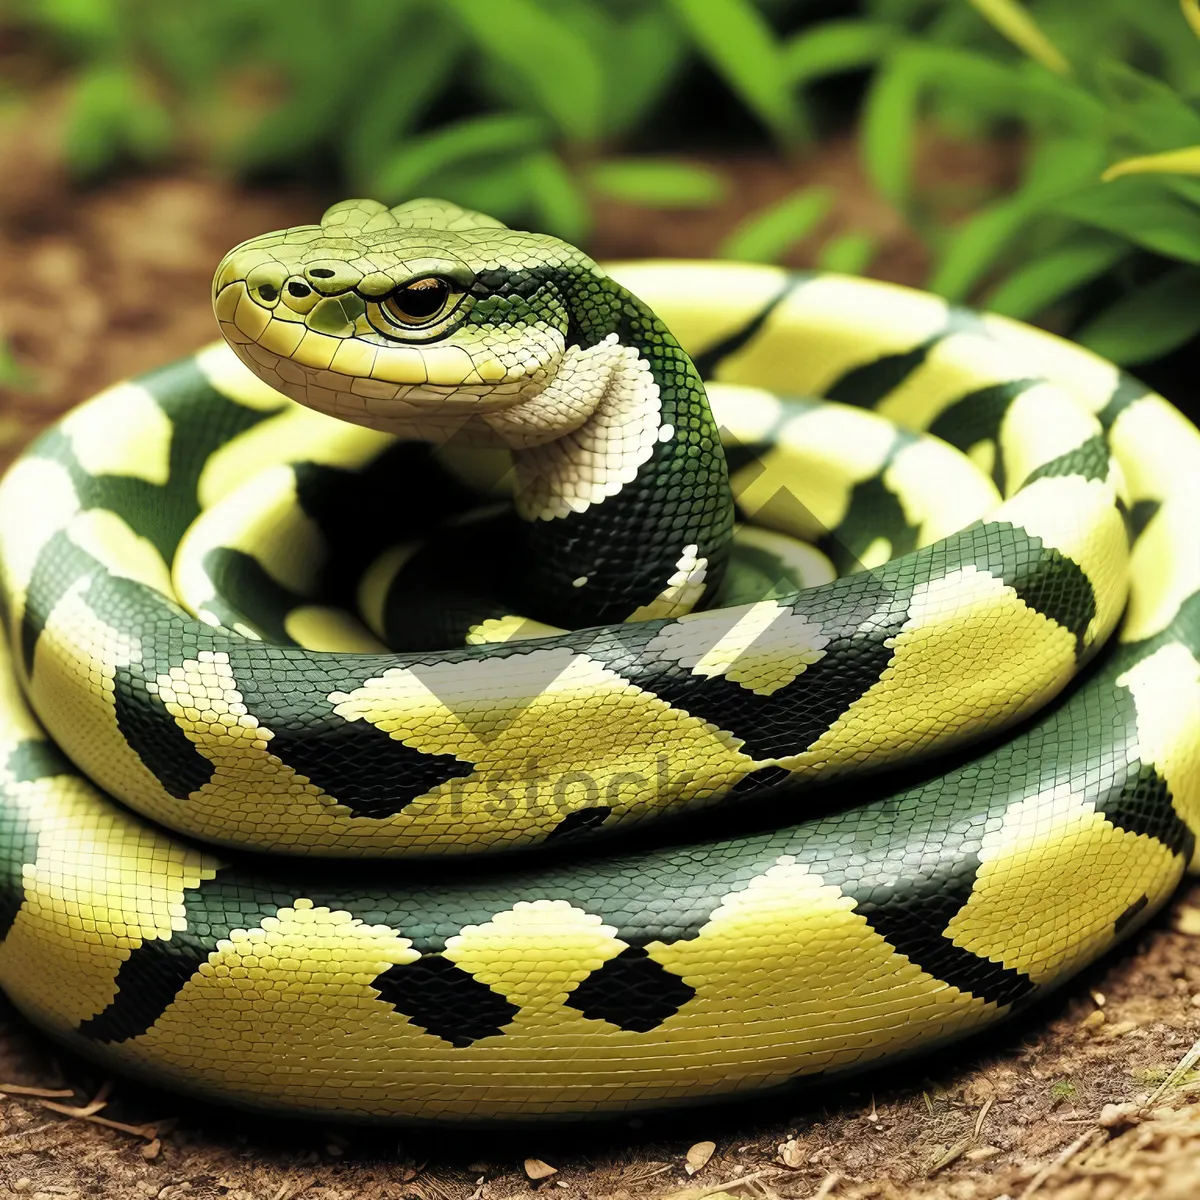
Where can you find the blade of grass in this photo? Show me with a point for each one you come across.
(557, 66)
(658, 182)
(1049, 277)
(835, 46)
(889, 126)
(1171, 162)
(735, 38)
(767, 235)
(557, 199)
(1016, 23)
(487, 137)
(848, 254)
(1149, 322)
(1191, 12)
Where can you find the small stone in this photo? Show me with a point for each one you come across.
(1093, 1020)
(791, 1154)
(536, 1169)
(1120, 1116)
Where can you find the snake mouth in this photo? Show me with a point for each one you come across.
(343, 335)
(326, 353)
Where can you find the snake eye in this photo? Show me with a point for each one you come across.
(419, 302)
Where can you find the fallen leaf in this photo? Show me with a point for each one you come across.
(698, 1156)
(982, 1153)
(536, 1169)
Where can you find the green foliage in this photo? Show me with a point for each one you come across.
(848, 253)
(737, 40)
(12, 374)
(528, 108)
(520, 107)
(766, 236)
(1112, 254)
(656, 182)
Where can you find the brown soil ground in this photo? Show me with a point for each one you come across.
(1077, 1102)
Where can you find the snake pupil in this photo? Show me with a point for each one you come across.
(420, 300)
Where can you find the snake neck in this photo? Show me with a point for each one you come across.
(629, 515)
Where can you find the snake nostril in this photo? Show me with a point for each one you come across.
(321, 273)
(268, 292)
(299, 290)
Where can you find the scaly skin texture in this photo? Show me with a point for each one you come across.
(621, 479)
(750, 951)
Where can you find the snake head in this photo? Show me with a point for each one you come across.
(424, 319)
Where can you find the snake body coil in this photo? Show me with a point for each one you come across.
(565, 602)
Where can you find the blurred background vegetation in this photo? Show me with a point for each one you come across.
(539, 111)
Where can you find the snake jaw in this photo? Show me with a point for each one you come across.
(424, 320)
(325, 353)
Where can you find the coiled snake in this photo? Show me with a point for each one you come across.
(273, 631)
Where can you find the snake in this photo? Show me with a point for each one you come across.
(489, 686)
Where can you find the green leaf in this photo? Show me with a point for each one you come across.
(552, 60)
(975, 246)
(1016, 23)
(1148, 322)
(766, 236)
(1047, 278)
(834, 46)
(1185, 161)
(1141, 211)
(1182, 185)
(1191, 11)
(499, 189)
(489, 137)
(1151, 114)
(658, 182)
(648, 51)
(557, 200)
(736, 39)
(1060, 165)
(888, 135)
(112, 115)
(96, 26)
(1002, 90)
(848, 253)
(418, 69)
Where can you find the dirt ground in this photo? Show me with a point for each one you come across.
(1079, 1101)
